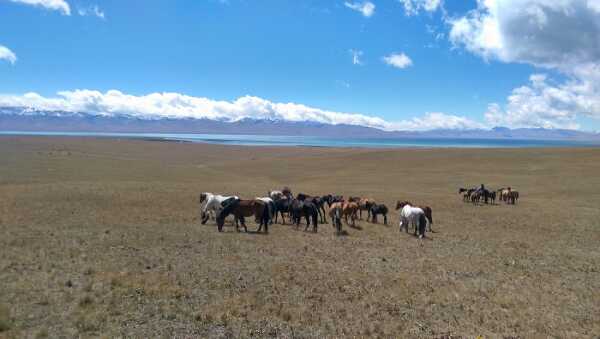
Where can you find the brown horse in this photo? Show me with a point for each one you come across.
(428, 211)
(365, 204)
(245, 208)
(512, 197)
(349, 209)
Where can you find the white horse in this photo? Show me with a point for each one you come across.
(414, 216)
(211, 205)
(277, 194)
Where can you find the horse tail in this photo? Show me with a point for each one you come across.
(429, 214)
(266, 216)
(422, 224)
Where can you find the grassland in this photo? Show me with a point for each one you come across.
(101, 237)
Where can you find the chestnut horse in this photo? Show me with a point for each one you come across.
(245, 208)
(364, 204)
(349, 209)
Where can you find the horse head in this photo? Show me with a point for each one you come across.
(401, 204)
(228, 206)
(203, 197)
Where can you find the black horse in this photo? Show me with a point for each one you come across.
(282, 206)
(319, 203)
(307, 209)
(377, 209)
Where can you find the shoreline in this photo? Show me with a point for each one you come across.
(262, 141)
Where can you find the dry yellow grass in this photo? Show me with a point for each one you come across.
(101, 238)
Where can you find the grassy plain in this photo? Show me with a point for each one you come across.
(101, 237)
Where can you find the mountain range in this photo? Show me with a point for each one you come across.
(19, 119)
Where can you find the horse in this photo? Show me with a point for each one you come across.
(475, 197)
(466, 193)
(211, 205)
(504, 192)
(350, 209)
(492, 197)
(512, 198)
(307, 209)
(244, 208)
(282, 206)
(318, 201)
(426, 209)
(271, 206)
(335, 213)
(330, 199)
(286, 192)
(377, 209)
(364, 204)
(414, 216)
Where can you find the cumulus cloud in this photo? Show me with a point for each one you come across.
(175, 105)
(544, 104)
(366, 8)
(55, 5)
(551, 34)
(398, 60)
(7, 54)
(413, 7)
(356, 57)
(93, 10)
(561, 36)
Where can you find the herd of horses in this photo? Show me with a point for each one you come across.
(314, 209)
(481, 194)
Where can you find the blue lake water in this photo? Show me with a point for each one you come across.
(272, 140)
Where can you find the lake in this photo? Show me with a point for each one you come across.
(309, 141)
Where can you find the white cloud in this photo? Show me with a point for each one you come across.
(56, 5)
(552, 34)
(175, 105)
(562, 36)
(547, 105)
(413, 7)
(367, 8)
(398, 60)
(7, 54)
(93, 10)
(356, 55)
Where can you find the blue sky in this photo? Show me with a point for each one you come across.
(325, 55)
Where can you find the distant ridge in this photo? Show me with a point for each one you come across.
(23, 119)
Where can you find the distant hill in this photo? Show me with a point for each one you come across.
(21, 119)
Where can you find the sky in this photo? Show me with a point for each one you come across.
(388, 64)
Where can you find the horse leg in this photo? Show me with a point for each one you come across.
(385, 219)
(243, 221)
